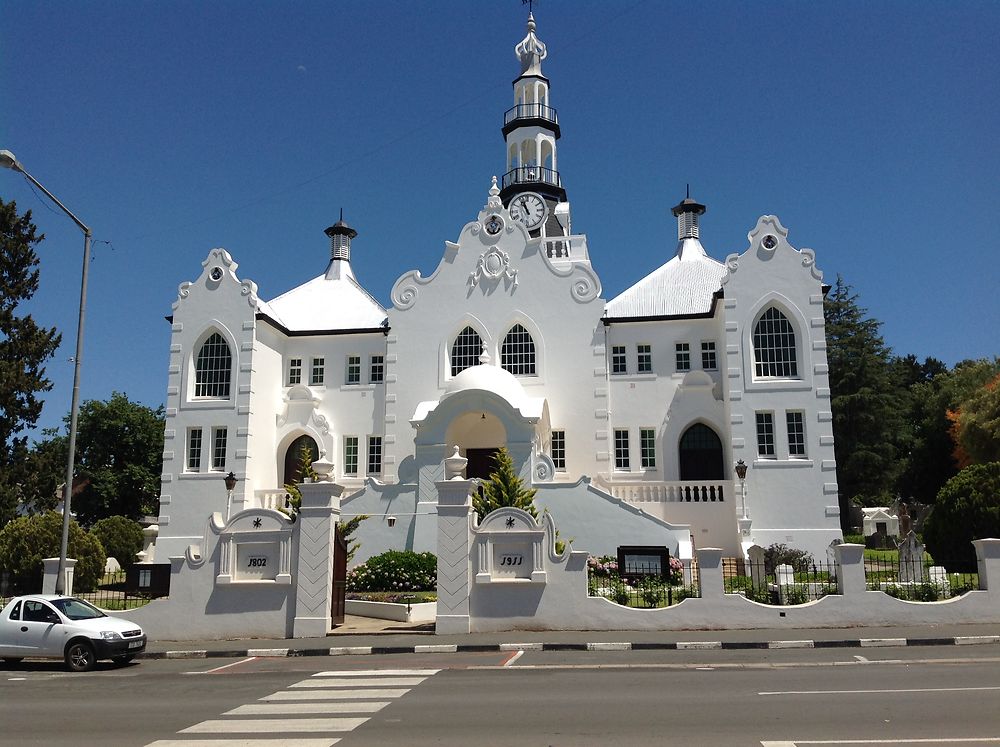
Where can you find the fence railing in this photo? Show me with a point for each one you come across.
(916, 580)
(641, 590)
(781, 584)
(111, 591)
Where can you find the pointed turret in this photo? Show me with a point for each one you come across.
(531, 128)
(687, 212)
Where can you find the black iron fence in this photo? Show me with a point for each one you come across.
(780, 584)
(641, 590)
(112, 591)
(918, 579)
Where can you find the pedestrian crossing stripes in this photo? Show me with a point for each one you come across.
(328, 704)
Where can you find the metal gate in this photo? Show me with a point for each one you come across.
(338, 603)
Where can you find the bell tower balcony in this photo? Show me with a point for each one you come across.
(534, 179)
(531, 115)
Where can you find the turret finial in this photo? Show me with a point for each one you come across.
(687, 212)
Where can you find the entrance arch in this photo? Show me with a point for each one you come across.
(700, 453)
(292, 474)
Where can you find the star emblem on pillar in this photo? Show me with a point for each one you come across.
(256, 523)
(510, 522)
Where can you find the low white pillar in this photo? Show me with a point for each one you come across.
(316, 524)
(988, 557)
(851, 569)
(454, 520)
(50, 572)
(710, 572)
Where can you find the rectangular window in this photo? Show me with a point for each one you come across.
(318, 372)
(194, 450)
(619, 365)
(559, 449)
(377, 369)
(795, 422)
(683, 356)
(644, 362)
(621, 449)
(374, 455)
(219, 438)
(647, 447)
(708, 360)
(294, 371)
(765, 434)
(350, 455)
(353, 369)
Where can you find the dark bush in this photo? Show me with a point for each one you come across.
(967, 508)
(776, 555)
(121, 538)
(26, 541)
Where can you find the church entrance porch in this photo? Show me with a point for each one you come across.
(481, 463)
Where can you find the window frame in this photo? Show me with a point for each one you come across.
(709, 356)
(621, 444)
(376, 363)
(518, 356)
(352, 370)
(682, 357)
(351, 456)
(775, 346)
(317, 371)
(220, 445)
(644, 358)
(460, 354)
(797, 445)
(294, 371)
(374, 455)
(619, 360)
(764, 421)
(192, 452)
(558, 449)
(204, 385)
(647, 448)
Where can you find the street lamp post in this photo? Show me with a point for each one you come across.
(741, 472)
(8, 161)
(230, 480)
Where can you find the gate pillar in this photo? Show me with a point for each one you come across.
(454, 514)
(316, 524)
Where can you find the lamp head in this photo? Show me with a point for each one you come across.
(391, 521)
(741, 469)
(8, 161)
(230, 481)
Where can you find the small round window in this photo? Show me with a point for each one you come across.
(216, 274)
(770, 242)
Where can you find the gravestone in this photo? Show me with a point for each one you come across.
(758, 574)
(911, 560)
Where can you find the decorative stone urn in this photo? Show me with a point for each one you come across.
(454, 466)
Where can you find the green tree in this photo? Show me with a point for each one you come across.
(27, 540)
(967, 508)
(504, 488)
(121, 538)
(865, 398)
(24, 349)
(120, 458)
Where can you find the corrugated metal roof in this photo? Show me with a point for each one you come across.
(684, 285)
(332, 301)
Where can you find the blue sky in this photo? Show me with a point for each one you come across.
(870, 129)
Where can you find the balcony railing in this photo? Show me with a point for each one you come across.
(530, 111)
(531, 175)
(681, 491)
(272, 499)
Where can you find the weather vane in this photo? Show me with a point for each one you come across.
(530, 4)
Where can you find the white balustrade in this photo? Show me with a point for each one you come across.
(272, 499)
(678, 491)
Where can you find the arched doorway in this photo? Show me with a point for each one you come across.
(479, 434)
(293, 470)
(701, 454)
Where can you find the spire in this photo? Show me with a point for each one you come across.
(687, 212)
(340, 239)
(531, 51)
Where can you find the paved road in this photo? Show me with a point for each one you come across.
(943, 696)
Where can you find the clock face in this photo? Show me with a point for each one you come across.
(529, 209)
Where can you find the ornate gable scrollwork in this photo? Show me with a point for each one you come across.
(493, 265)
(218, 266)
(767, 240)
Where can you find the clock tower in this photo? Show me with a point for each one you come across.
(531, 188)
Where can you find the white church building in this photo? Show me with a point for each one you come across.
(629, 415)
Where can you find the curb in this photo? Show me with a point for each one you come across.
(459, 648)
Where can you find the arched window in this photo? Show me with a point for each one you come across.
(465, 351)
(302, 448)
(213, 368)
(774, 346)
(517, 354)
(701, 454)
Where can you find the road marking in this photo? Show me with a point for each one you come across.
(870, 692)
(521, 646)
(509, 661)
(282, 652)
(280, 708)
(379, 673)
(874, 642)
(436, 648)
(790, 644)
(611, 646)
(226, 666)
(264, 725)
(861, 658)
(350, 650)
(302, 695)
(698, 645)
(941, 740)
(300, 742)
(972, 640)
(371, 693)
(361, 682)
(186, 654)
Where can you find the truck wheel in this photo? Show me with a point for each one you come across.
(80, 657)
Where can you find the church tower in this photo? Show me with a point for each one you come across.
(531, 188)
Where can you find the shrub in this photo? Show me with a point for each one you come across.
(620, 591)
(652, 591)
(121, 538)
(796, 595)
(776, 555)
(395, 570)
(967, 508)
(25, 541)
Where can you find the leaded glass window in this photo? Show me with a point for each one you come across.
(212, 369)
(559, 449)
(350, 455)
(517, 354)
(765, 434)
(774, 346)
(621, 449)
(644, 359)
(647, 447)
(465, 351)
(795, 422)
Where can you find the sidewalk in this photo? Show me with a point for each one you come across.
(369, 636)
